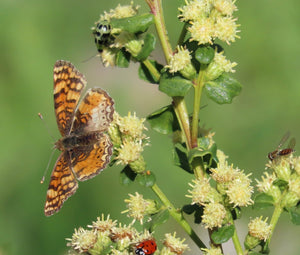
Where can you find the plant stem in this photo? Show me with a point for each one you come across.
(197, 101)
(236, 243)
(177, 215)
(155, 74)
(183, 118)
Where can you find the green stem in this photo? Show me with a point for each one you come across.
(177, 215)
(197, 101)
(182, 34)
(183, 118)
(155, 74)
(237, 244)
(156, 9)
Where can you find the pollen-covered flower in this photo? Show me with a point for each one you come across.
(294, 185)
(296, 164)
(123, 236)
(282, 168)
(174, 244)
(239, 190)
(131, 125)
(212, 251)
(82, 240)
(203, 193)
(225, 7)
(102, 224)
(259, 228)
(193, 10)
(226, 29)
(224, 172)
(108, 57)
(129, 151)
(179, 60)
(138, 207)
(213, 215)
(121, 11)
(202, 31)
(266, 183)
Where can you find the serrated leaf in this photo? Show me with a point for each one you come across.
(223, 89)
(262, 200)
(223, 234)
(295, 216)
(148, 47)
(147, 180)
(164, 120)
(122, 58)
(180, 157)
(134, 24)
(159, 219)
(146, 75)
(127, 176)
(174, 86)
(205, 54)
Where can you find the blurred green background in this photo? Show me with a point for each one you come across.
(34, 34)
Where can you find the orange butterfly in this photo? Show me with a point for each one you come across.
(86, 150)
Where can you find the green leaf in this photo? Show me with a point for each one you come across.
(164, 120)
(122, 58)
(196, 209)
(127, 176)
(223, 89)
(174, 85)
(223, 234)
(159, 219)
(147, 180)
(148, 47)
(295, 216)
(134, 24)
(254, 253)
(262, 200)
(146, 75)
(180, 157)
(205, 54)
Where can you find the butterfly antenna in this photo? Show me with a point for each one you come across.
(46, 170)
(47, 127)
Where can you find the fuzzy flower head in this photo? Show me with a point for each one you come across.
(212, 251)
(259, 228)
(179, 60)
(213, 215)
(203, 193)
(294, 185)
(210, 20)
(102, 224)
(123, 236)
(82, 240)
(266, 183)
(239, 190)
(131, 125)
(129, 151)
(282, 167)
(296, 164)
(121, 11)
(138, 207)
(175, 245)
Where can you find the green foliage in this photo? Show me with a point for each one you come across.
(174, 86)
(122, 58)
(262, 200)
(146, 75)
(223, 89)
(148, 47)
(158, 219)
(205, 54)
(223, 234)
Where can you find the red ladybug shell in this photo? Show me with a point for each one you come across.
(146, 247)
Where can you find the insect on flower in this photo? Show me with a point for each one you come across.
(146, 247)
(283, 152)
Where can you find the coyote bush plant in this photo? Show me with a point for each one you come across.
(218, 189)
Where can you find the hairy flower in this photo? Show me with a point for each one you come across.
(103, 225)
(121, 11)
(212, 251)
(123, 236)
(259, 228)
(225, 7)
(294, 185)
(108, 57)
(129, 151)
(226, 29)
(240, 191)
(138, 207)
(82, 240)
(203, 193)
(174, 244)
(179, 60)
(193, 10)
(213, 215)
(202, 31)
(266, 183)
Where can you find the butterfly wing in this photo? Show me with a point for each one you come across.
(95, 112)
(68, 84)
(88, 161)
(62, 185)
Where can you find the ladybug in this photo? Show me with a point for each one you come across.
(102, 35)
(146, 247)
